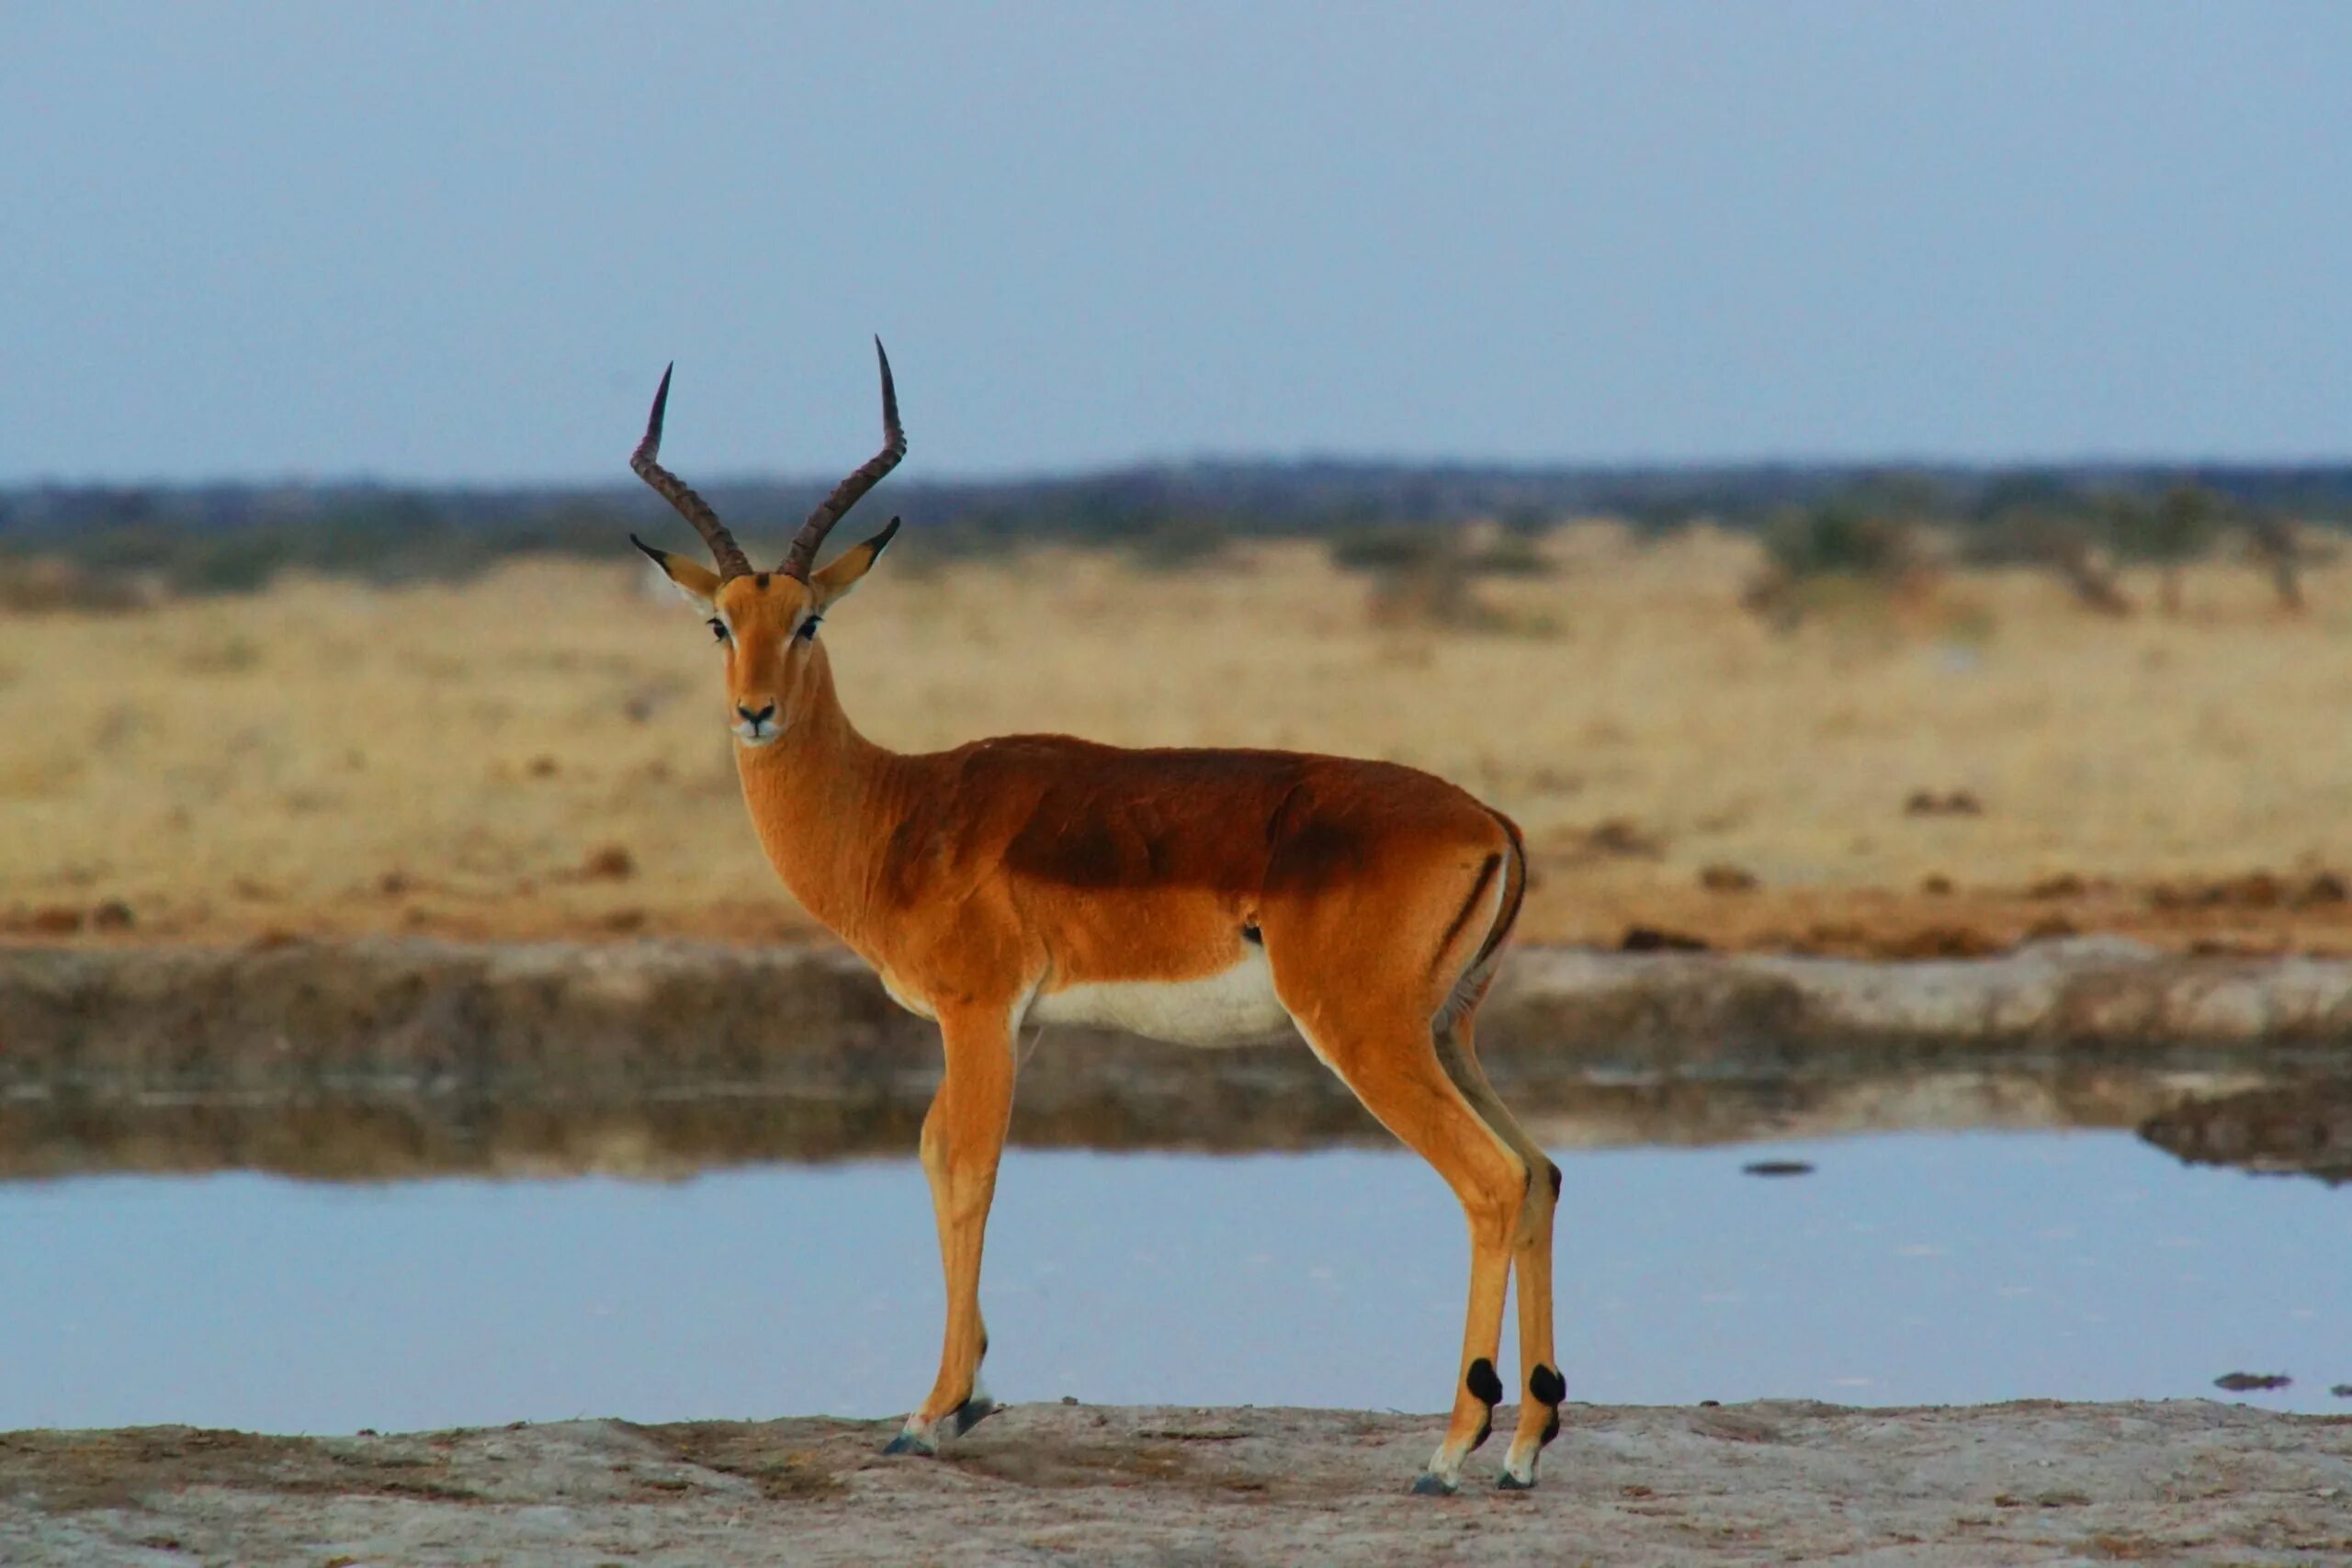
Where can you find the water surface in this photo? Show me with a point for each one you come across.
(1912, 1268)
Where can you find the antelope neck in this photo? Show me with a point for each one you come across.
(815, 794)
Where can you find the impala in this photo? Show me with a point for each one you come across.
(1205, 898)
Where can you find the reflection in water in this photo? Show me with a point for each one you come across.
(1924, 1268)
(2303, 1127)
(2216, 1111)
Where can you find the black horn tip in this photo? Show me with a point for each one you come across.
(889, 391)
(660, 403)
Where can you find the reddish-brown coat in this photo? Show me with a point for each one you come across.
(1097, 863)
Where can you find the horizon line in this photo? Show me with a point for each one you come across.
(1014, 477)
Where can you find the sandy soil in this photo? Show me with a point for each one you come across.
(2032, 1482)
(538, 754)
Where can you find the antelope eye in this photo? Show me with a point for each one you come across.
(717, 628)
(808, 632)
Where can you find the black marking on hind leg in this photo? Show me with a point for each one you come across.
(975, 1408)
(1253, 936)
(1546, 1386)
(1487, 1389)
(1555, 1176)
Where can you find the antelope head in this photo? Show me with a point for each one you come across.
(765, 622)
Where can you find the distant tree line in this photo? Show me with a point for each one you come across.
(1864, 519)
(1892, 530)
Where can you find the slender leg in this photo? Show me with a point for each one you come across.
(1392, 1067)
(1542, 1387)
(963, 1138)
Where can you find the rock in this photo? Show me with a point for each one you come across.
(1955, 803)
(2325, 888)
(1651, 939)
(2243, 1382)
(1620, 837)
(609, 863)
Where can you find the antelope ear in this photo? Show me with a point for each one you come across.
(833, 584)
(697, 584)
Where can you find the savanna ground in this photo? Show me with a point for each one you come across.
(539, 751)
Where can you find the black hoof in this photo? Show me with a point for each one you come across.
(1506, 1482)
(970, 1414)
(1433, 1486)
(908, 1443)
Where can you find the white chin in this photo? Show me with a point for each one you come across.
(753, 742)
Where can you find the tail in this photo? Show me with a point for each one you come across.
(1480, 970)
(1514, 894)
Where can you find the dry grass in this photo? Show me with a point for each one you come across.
(326, 758)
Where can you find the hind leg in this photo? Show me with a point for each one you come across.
(1542, 1387)
(1388, 1058)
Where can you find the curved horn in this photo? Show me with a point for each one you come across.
(673, 489)
(803, 554)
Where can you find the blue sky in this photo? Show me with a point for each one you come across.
(441, 243)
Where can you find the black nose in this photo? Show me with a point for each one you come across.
(759, 718)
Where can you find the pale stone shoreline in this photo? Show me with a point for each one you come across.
(2189, 1482)
(379, 1059)
(257, 1013)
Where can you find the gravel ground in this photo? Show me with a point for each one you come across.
(2031, 1482)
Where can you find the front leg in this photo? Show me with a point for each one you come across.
(963, 1138)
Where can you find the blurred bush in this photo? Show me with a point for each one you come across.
(1182, 544)
(1430, 576)
(34, 584)
(1840, 538)
(2174, 529)
(1837, 557)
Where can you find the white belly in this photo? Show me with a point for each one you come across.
(1236, 1007)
